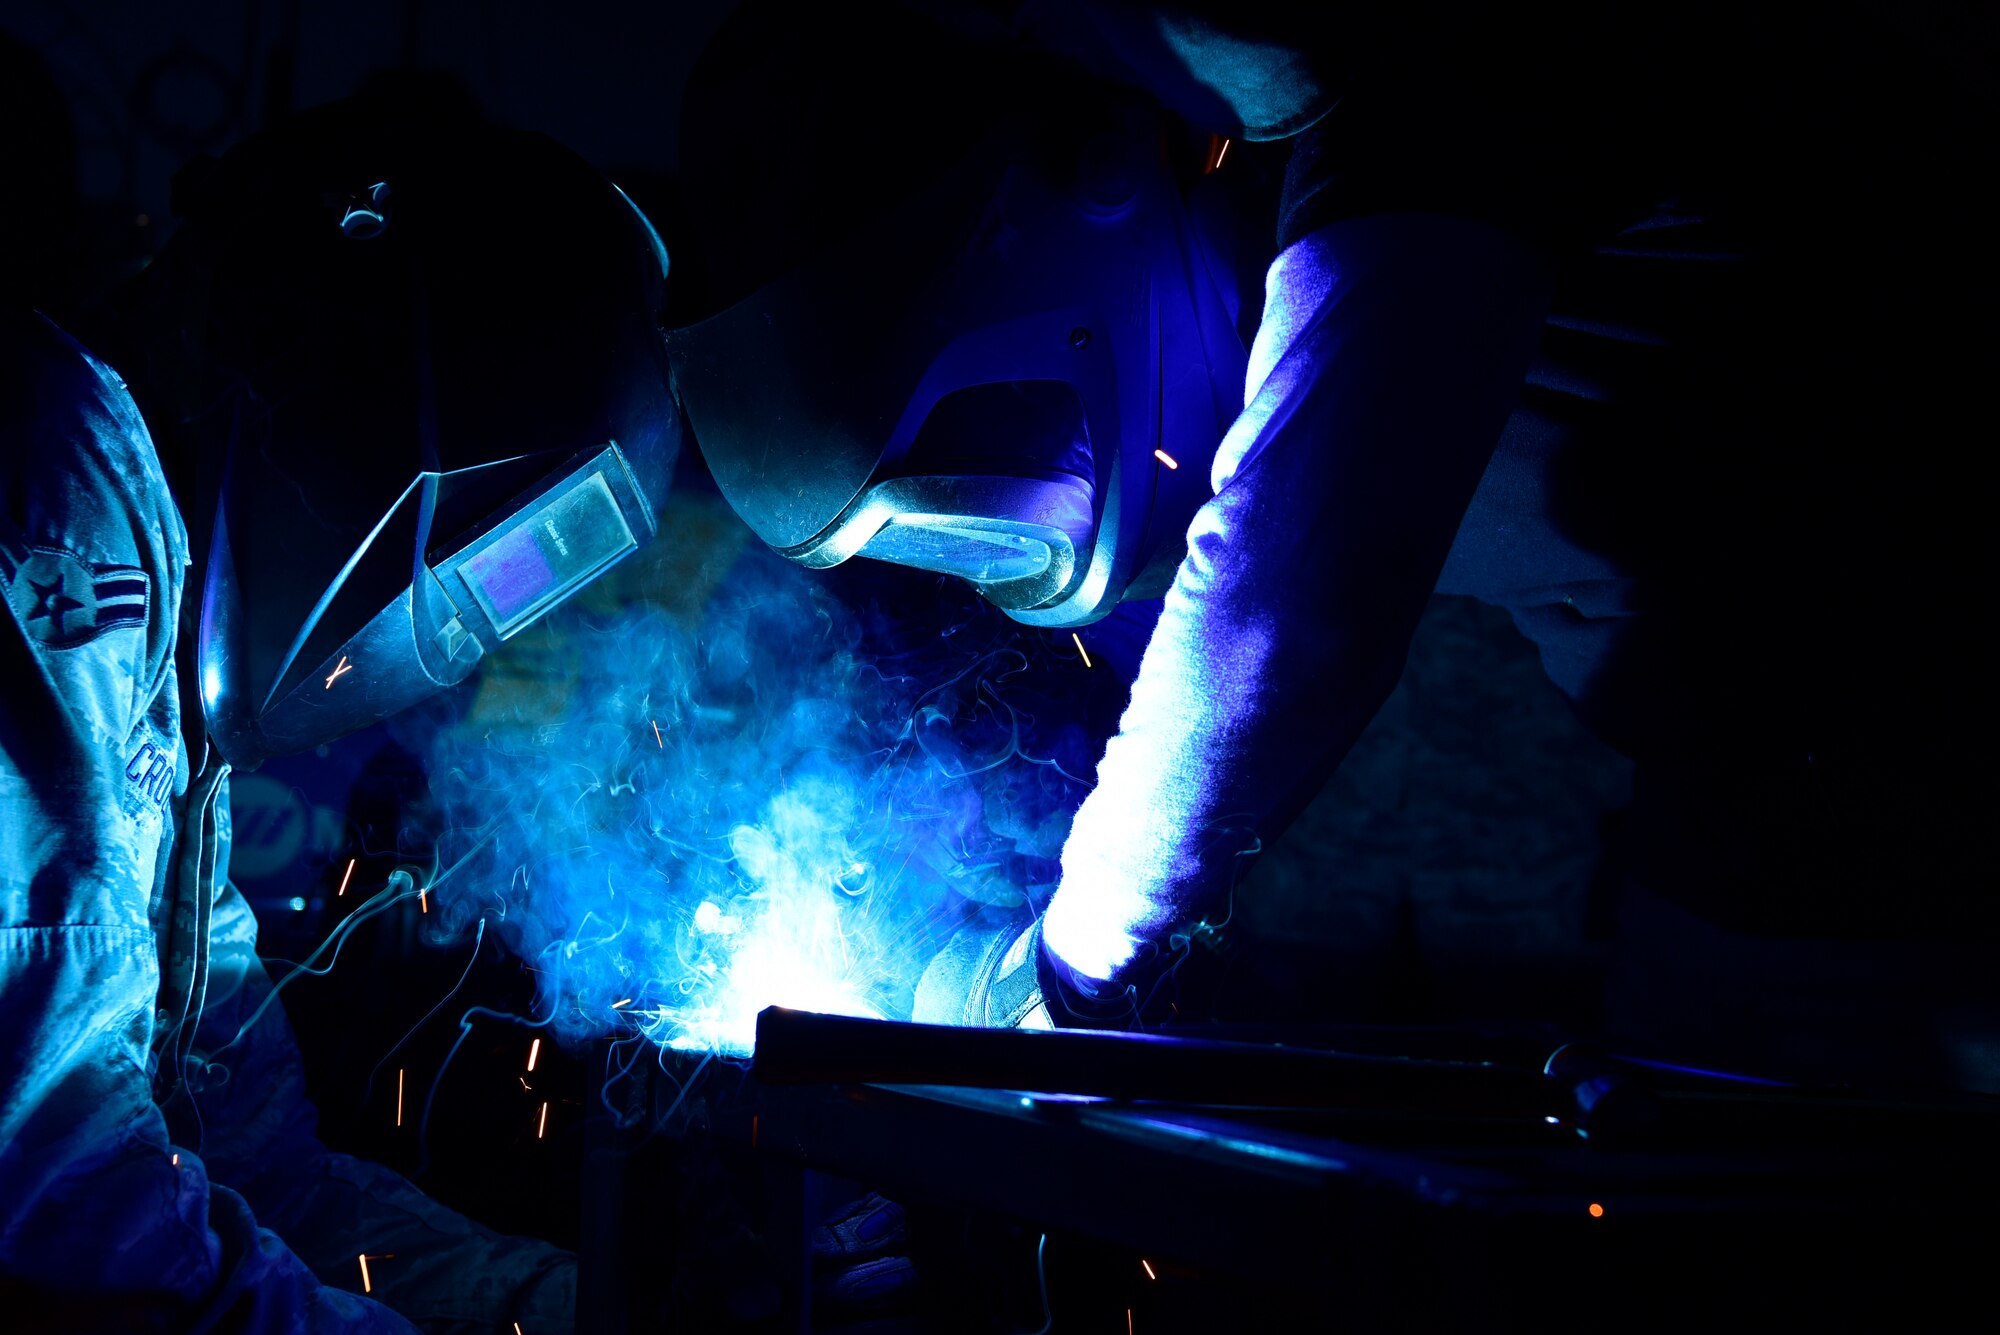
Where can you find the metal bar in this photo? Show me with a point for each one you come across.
(792, 1210)
(800, 1047)
(601, 1303)
(1157, 1195)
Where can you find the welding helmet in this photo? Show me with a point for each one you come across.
(412, 364)
(1018, 375)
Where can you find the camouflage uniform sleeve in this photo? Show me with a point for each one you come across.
(104, 1223)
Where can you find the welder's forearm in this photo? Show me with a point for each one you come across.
(1206, 752)
(1391, 352)
(1259, 675)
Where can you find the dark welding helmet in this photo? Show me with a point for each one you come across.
(1018, 376)
(415, 361)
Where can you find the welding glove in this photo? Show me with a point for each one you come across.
(860, 1269)
(996, 973)
(985, 977)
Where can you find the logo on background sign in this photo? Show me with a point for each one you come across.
(276, 830)
(64, 601)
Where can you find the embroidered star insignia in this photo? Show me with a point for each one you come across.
(51, 602)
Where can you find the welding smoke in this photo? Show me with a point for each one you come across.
(708, 789)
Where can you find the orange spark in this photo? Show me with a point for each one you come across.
(543, 1126)
(524, 1084)
(424, 899)
(1079, 647)
(399, 1096)
(1596, 1210)
(1221, 155)
(367, 1285)
(534, 1051)
(342, 666)
(345, 877)
(177, 1158)
(517, 1328)
(656, 735)
(1150, 1273)
(1166, 458)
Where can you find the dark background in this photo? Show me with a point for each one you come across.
(1447, 872)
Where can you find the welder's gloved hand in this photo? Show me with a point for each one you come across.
(861, 1273)
(996, 973)
(985, 977)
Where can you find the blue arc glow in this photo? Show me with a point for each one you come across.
(683, 815)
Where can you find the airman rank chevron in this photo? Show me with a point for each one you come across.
(64, 601)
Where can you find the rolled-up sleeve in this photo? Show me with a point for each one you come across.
(1391, 351)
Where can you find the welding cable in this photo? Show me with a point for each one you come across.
(377, 904)
(639, 1042)
(685, 1086)
(374, 907)
(686, 1089)
(983, 688)
(1042, 1280)
(611, 1079)
(478, 940)
(430, 1096)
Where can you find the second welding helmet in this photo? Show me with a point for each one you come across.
(413, 363)
(1018, 374)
